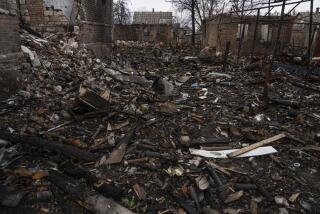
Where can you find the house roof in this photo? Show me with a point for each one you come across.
(152, 18)
(305, 16)
(303, 19)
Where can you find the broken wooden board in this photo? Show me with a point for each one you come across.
(256, 145)
(311, 148)
(93, 100)
(224, 153)
(118, 153)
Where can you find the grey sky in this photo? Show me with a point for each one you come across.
(162, 5)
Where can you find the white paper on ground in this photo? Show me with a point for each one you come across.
(223, 154)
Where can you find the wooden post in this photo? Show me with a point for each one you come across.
(255, 35)
(242, 30)
(310, 33)
(225, 59)
(275, 48)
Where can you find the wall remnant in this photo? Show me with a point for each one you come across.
(10, 49)
(219, 30)
(45, 15)
(144, 32)
(300, 33)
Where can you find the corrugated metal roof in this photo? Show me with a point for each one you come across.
(152, 18)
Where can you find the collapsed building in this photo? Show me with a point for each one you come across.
(93, 20)
(220, 29)
(148, 27)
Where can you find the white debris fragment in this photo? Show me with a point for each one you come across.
(223, 154)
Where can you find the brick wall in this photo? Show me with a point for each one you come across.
(10, 5)
(10, 54)
(32, 13)
(9, 34)
(95, 21)
(43, 18)
(142, 32)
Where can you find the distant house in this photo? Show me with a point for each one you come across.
(152, 18)
(220, 29)
(147, 26)
(300, 32)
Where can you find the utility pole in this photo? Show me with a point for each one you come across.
(193, 14)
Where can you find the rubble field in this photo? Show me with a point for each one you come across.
(155, 129)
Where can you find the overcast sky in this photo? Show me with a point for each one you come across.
(162, 5)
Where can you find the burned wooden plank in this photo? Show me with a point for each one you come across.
(66, 150)
(290, 103)
(90, 200)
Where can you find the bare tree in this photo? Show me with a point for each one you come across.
(121, 12)
(203, 8)
(238, 5)
(208, 8)
(182, 19)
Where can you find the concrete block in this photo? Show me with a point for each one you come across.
(48, 12)
(58, 13)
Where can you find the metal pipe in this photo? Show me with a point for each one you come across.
(269, 11)
(294, 8)
(265, 7)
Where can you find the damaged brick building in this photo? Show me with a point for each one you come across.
(10, 53)
(94, 19)
(219, 30)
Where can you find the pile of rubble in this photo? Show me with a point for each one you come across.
(156, 131)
